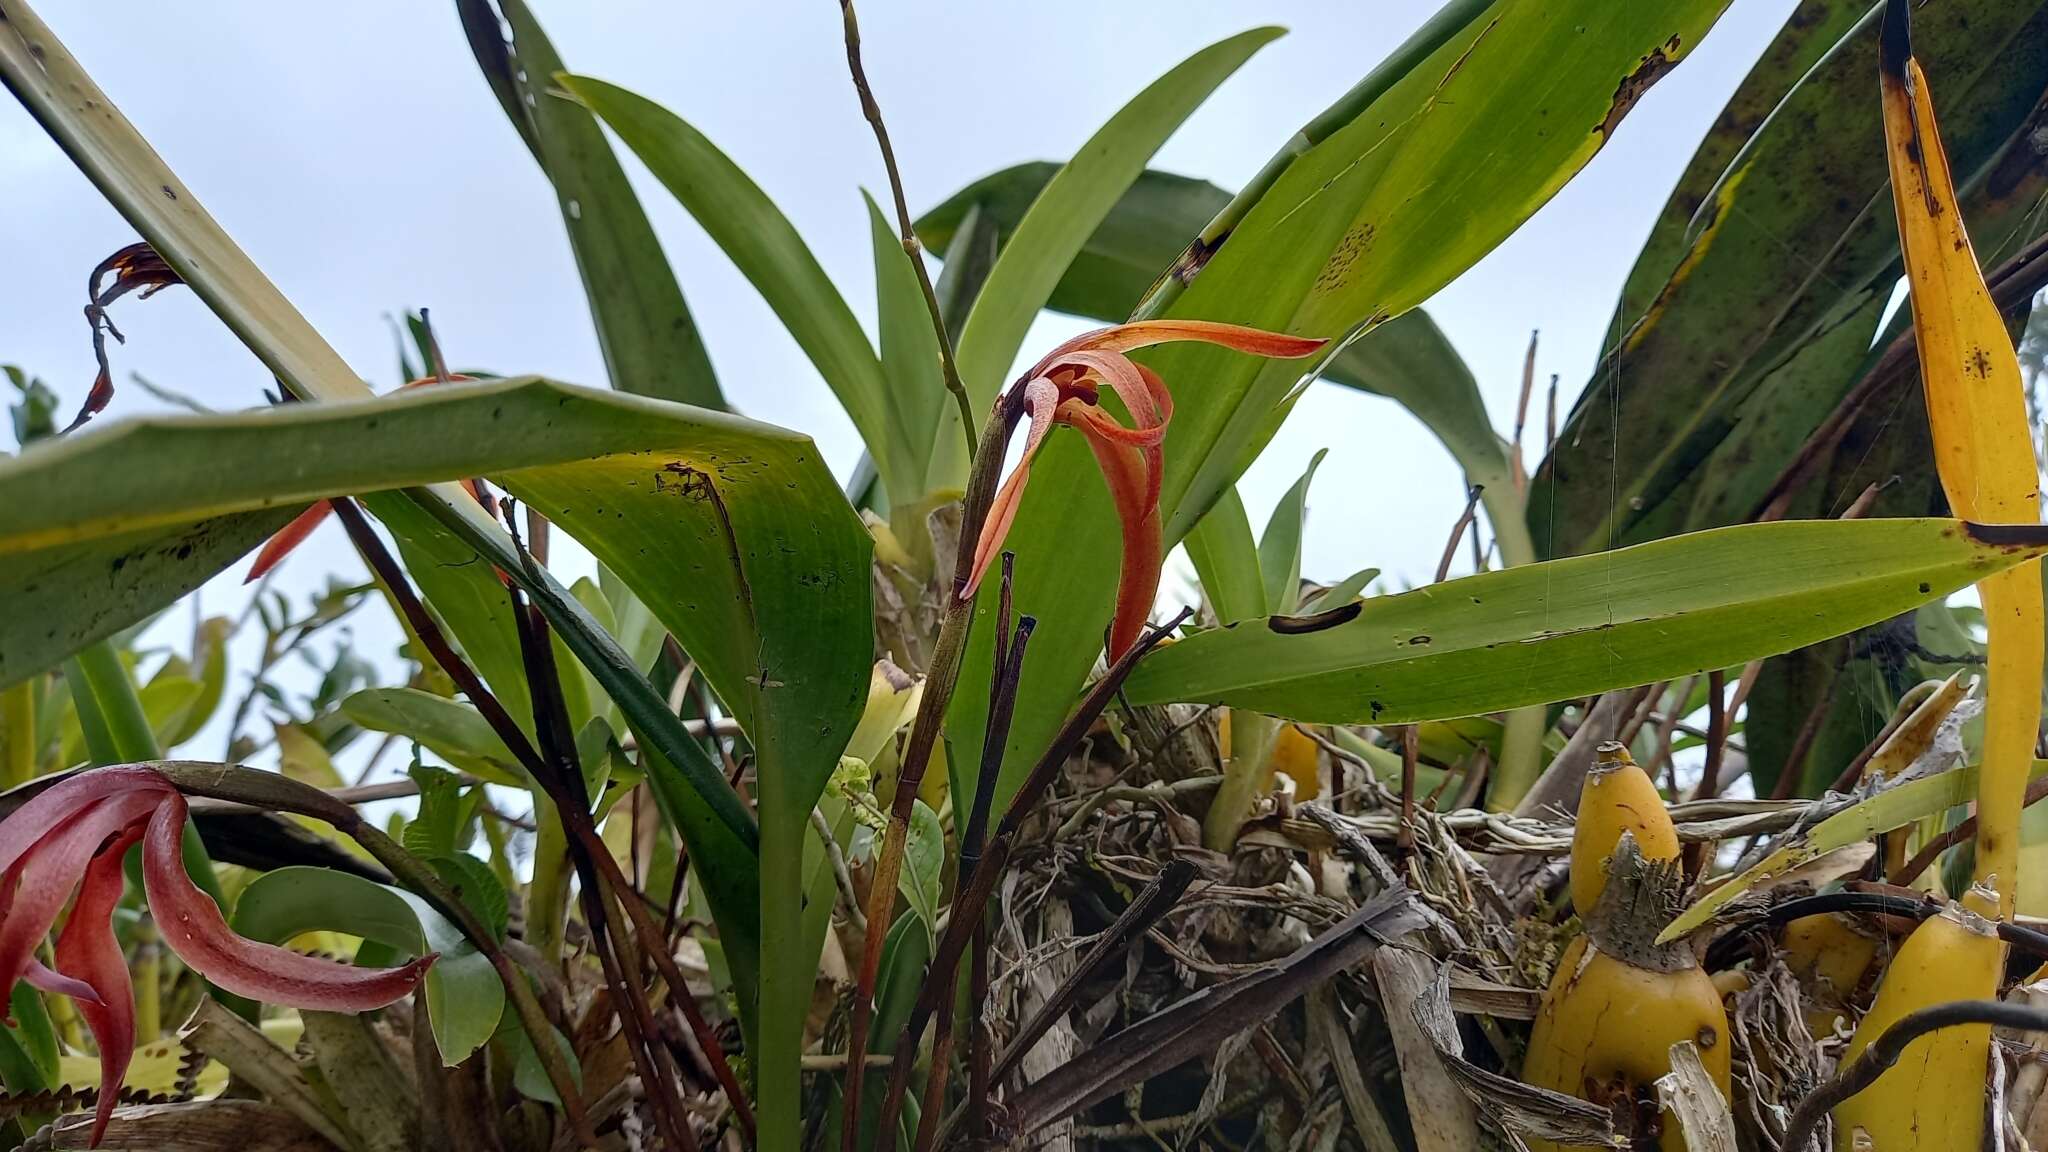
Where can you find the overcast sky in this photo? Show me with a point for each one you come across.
(364, 164)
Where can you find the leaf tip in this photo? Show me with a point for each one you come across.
(1895, 38)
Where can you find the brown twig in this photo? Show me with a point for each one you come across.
(556, 770)
(1717, 736)
(1009, 663)
(1443, 564)
(1154, 901)
(911, 247)
(1515, 470)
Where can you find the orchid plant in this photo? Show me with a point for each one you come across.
(691, 844)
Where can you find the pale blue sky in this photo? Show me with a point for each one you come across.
(364, 164)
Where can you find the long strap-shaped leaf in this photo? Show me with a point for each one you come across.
(1064, 215)
(1570, 628)
(650, 342)
(1976, 409)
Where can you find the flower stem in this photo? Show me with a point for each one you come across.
(911, 248)
(942, 675)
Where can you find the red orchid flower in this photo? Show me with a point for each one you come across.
(73, 836)
(293, 534)
(1065, 388)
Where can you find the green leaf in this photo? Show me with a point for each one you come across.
(437, 829)
(209, 651)
(1059, 223)
(302, 757)
(1753, 317)
(732, 531)
(1342, 592)
(167, 702)
(1574, 627)
(28, 1044)
(1410, 361)
(650, 343)
(1413, 176)
(1280, 546)
(970, 254)
(639, 633)
(464, 995)
(452, 730)
(924, 857)
(34, 415)
(760, 241)
(1226, 560)
(914, 381)
(1150, 224)
(471, 879)
(1892, 808)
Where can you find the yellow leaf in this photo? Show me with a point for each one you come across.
(1976, 410)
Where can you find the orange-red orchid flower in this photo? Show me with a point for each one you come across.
(73, 837)
(293, 534)
(1064, 388)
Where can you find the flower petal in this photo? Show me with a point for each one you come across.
(1102, 429)
(1123, 377)
(50, 980)
(1042, 398)
(88, 950)
(192, 926)
(1134, 488)
(287, 538)
(45, 877)
(66, 798)
(1145, 333)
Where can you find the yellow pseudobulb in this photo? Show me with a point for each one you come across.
(1617, 797)
(1831, 956)
(1932, 1100)
(1619, 1001)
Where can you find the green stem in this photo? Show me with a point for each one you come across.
(787, 979)
(99, 742)
(547, 897)
(1244, 778)
(107, 701)
(1521, 741)
(127, 725)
